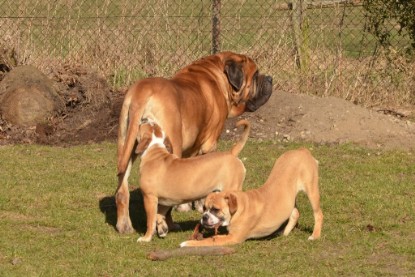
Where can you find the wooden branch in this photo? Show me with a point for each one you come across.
(320, 4)
(394, 112)
(332, 3)
(162, 255)
(197, 235)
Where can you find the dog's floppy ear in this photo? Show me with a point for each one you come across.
(232, 202)
(142, 145)
(235, 74)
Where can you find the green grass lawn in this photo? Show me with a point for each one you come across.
(57, 217)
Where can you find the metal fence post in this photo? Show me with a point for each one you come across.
(215, 26)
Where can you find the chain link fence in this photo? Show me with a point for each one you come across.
(314, 47)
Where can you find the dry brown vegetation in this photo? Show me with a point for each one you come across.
(130, 40)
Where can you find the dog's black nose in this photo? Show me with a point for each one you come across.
(205, 217)
(268, 79)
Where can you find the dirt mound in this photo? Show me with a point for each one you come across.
(92, 109)
(331, 120)
(27, 96)
(88, 114)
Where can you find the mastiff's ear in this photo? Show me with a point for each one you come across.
(235, 74)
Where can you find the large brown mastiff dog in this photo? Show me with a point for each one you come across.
(191, 108)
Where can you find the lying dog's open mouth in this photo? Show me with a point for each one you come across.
(211, 222)
(212, 226)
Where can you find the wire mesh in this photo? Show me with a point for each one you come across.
(315, 47)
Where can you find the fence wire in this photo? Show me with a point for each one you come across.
(313, 47)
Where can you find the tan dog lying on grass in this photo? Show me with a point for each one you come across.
(167, 180)
(260, 212)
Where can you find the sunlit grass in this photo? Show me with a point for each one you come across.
(57, 214)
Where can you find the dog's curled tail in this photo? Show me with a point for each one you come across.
(237, 148)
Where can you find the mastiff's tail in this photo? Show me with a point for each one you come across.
(129, 122)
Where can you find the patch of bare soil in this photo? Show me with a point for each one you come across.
(92, 109)
(90, 113)
(330, 120)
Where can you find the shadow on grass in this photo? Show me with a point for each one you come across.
(138, 218)
(223, 231)
(280, 231)
(187, 225)
(137, 213)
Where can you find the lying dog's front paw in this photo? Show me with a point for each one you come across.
(189, 243)
(143, 239)
(184, 244)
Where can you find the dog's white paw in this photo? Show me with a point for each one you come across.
(162, 228)
(310, 238)
(184, 207)
(183, 244)
(143, 239)
(125, 226)
(199, 205)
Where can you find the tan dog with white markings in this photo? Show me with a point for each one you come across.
(260, 212)
(167, 180)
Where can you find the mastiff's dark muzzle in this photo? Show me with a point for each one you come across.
(261, 90)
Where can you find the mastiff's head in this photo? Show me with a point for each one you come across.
(249, 89)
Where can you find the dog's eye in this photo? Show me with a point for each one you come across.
(214, 210)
